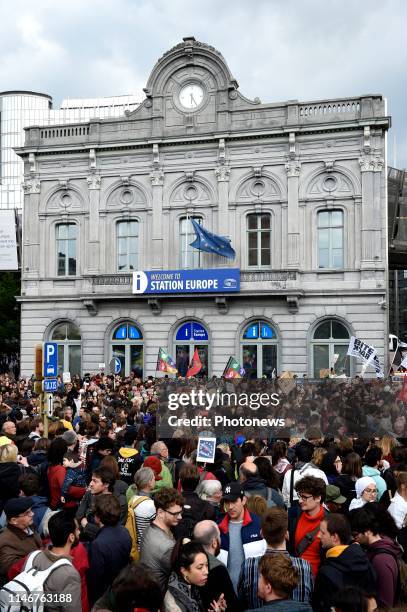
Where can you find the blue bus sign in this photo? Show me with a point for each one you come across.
(50, 359)
(50, 385)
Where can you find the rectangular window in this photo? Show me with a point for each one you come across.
(127, 245)
(259, 240)
(189, 257)
(330, 239)
(66, 249)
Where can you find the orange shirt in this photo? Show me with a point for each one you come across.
(307, 523)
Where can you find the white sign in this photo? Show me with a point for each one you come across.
(66, 377)
(8, 241)
(365, 353)
(50, 405)
(101, 366)
(206, 450)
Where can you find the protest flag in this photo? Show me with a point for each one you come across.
(365, 353)
(165, 362)
(233, 369)
(195, 366)
(402, 396)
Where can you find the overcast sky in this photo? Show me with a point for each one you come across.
(276, 49)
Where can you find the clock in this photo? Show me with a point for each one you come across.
(191, 96)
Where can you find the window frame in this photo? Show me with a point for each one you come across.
(59, 225)
(331, 342)
(330, 227)
(258, 231)
(128, 238)
(184, 239)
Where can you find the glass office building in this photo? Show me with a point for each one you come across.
(20, 109)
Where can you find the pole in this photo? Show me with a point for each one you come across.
(186, 241)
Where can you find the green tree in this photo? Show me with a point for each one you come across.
(9, 313)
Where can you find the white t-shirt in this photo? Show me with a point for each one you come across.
(308, 469)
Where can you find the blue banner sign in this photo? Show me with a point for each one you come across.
(215, 280)
(191, 331)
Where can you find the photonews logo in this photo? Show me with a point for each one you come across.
(140, 281)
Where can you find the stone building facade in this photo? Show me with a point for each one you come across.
(300, 189)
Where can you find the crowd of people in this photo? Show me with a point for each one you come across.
(104, 515)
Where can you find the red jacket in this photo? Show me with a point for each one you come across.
(56, 475)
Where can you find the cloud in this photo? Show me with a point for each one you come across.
(306, 50)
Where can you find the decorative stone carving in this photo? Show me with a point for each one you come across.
(291, 144)
(92, 160)
(125, 181)
(91, 307)
(329, 166)
(94, 181)
(191, 191)
(222, 305)
(157, 177)
(371, 163)
(262, 186)
(293, 168)
(222, 173)
(127, 195)
(155, 306)
(329, 182)
(222, 152)
(293, 303)
(257, 171)
(64, 183)
(156, 157)
(189, 176)
(32, 186)
(32, 162)
(366, 139)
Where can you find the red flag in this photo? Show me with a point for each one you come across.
(195, 366)
(402, 396)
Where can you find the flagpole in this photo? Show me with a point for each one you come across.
(186, 240)
(394, 357)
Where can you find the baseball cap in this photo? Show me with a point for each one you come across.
(16, 506)
(333, 494)
(232, 491)
(155, 464)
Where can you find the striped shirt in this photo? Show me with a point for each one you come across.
(249, 579)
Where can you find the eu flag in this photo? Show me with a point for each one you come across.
(211, 243)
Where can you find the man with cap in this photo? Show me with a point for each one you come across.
(18, 539)
(240, 531)
(345, 563)
(334, 499)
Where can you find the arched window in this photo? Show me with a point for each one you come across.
(68, 338)
(330, 343)
(127, 346)
(189, 336)
(259, 350)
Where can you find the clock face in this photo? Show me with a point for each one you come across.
(191, 96)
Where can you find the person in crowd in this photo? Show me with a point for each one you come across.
(37, 428)
(303, 467)
(366, 492)
(280, 460)
(160, 450)
(304, 537)
(156, 465)
(274, 527)
(158, 540)
(331, 464)
(102, 483)
(120, 486)
(373, 528)
(30, 486)
(195, 508)
(345, 564)
(144, 483)
(97, 451)
(17, 539)
(9, 472)
(353, 599)
(75, 473)
(256, 504)
(65, 579)
(128, 457)
(211, 491)
(109, 552)
(346, 481)
(141, 503)
(398, 505)
(334, 501)
(277, 581)
(207, 533)
(373, 458)
(9, 429)
(190, 570)
(240, 531)
(133, 589)
(270, 477)
(56, 476)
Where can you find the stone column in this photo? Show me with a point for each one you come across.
(157, 185)
(371, 166)
(93, 263)
(293, 169)
(222, 173)
(31, 236)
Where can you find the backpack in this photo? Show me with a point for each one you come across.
(25, 593)
(132, 527)
(401, 587)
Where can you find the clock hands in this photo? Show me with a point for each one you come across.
(193, 102)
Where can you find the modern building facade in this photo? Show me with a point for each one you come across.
(397, 196)
(300, 188)
(19, 109)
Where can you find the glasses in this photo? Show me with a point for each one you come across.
(174, 513)
(305, 497)
(26, 513)
(370, 491)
